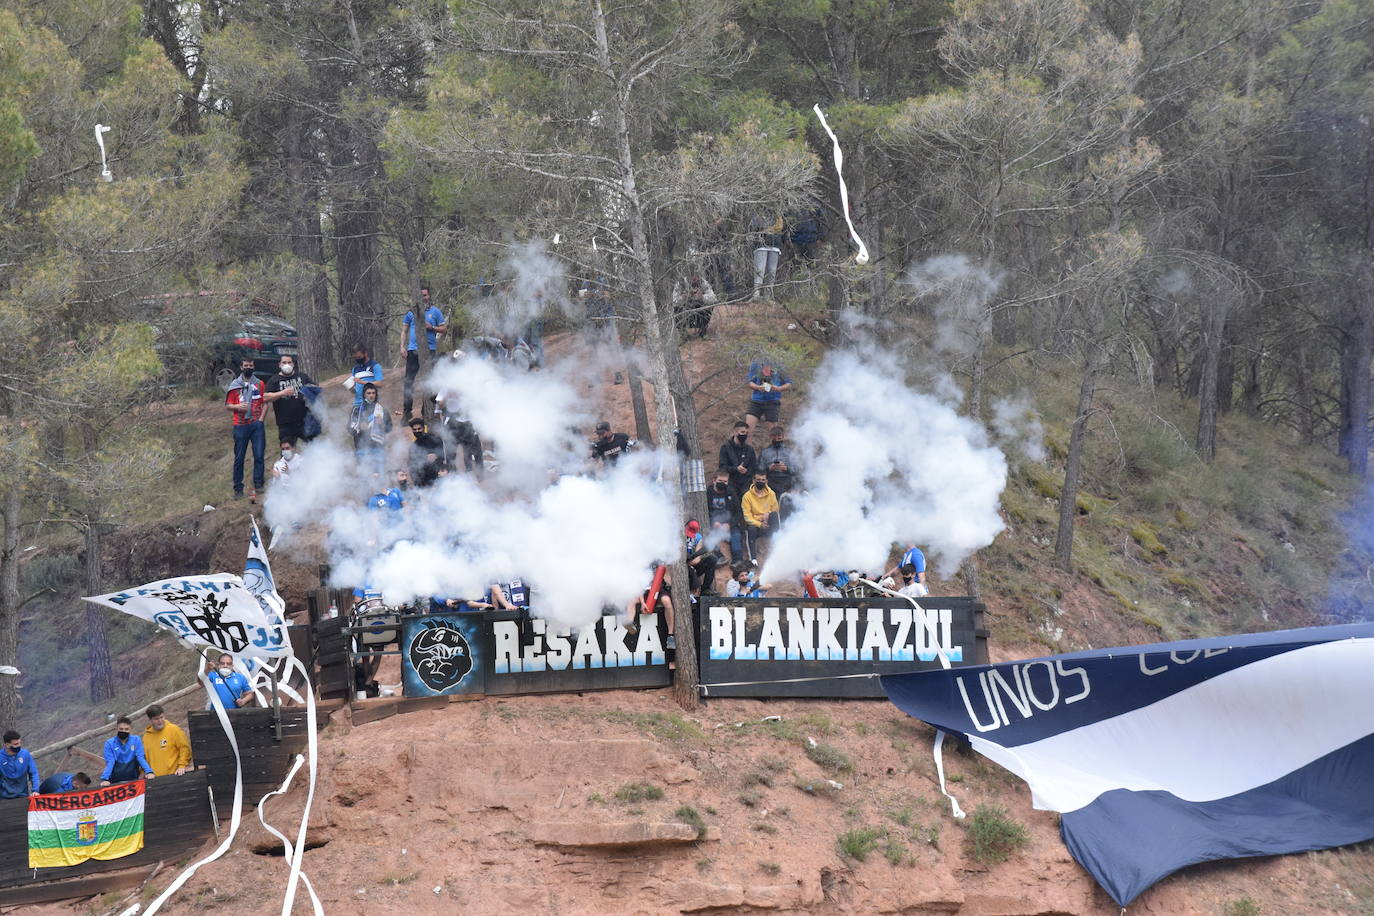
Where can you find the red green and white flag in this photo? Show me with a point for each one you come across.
(70, 828)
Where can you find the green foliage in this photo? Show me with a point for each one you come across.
(664, 726)
(828, 756)
(858, 843)
(895, 851)
(689, 815)
(1148, 538)
(635, 792)
(1244, 906)
(993, 836)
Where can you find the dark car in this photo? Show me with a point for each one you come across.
(265, 339)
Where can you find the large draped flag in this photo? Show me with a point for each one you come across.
(1164, 755)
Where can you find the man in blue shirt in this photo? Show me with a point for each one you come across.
(766, 385)
(913, 557)
(435, 325)
(365, 369)
(58, 783)
(124, 757)
(18, 772)
(232, 687)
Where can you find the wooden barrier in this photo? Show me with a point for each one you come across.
(176, 820)
(334, 668)
(264, 759)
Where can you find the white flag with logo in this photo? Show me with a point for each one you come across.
(206, 612)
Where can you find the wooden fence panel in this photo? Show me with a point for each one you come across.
(176, 820)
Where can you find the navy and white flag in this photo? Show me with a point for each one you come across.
(207, 612)
(1164, 755)
(257, 578)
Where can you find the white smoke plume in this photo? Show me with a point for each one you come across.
(960, 291)
(538, 420)
(531, 282)
(1017, 424)
(581, 542)
(883, 463)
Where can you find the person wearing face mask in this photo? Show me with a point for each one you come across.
(428, 455)
(369, 423)
(246, 404)
(287, 463)
(232, 687)
(723, 513)
(739, 457)
(18, 772)
(289, 405)
(912, 586)
(365, 370)
(124, 757)
(760, 509)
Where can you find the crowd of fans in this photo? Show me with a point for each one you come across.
(162, 750)
(749, 497)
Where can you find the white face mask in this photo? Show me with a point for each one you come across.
(287, 455)
(225, 672)
(288, 369)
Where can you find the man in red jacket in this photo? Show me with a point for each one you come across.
(246, 406)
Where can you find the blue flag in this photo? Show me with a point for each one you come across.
(1161, 756)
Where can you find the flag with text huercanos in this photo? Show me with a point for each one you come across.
(70, 828)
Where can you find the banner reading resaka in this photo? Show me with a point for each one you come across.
(770, 647)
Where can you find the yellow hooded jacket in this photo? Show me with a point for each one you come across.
(167, 749)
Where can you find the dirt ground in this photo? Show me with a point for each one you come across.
(488, 807)
(516, 805)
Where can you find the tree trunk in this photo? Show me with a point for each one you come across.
(973, 583)
(1226, 370)
(1073, 467)
(9, 602)
(312, 306)
(357, 241)
(1213, 329)
(97, 646)
(358, 255)
(659, 336)
(1357, 346)
(641, 410)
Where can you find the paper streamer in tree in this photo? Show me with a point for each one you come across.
(862, 256)
(100, 131)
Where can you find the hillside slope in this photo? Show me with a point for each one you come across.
(466, 800)
(495, 806)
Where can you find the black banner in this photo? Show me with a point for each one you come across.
(751, 647)
(502, 653)
(527, 655)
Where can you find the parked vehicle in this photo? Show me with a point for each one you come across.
(202, 336)
(263, 338)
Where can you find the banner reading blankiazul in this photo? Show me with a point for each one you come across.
(765, 647)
